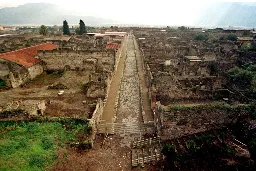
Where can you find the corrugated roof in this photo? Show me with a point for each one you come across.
(26, 56)
(113, 46)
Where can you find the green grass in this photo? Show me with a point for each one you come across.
(32, 145)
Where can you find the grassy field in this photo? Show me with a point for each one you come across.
(33, 145)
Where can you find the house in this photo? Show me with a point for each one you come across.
(19, 66)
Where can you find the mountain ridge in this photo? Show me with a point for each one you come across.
(225, 14)
(44, 13)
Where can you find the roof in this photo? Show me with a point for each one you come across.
(113, 46)
(26, 56)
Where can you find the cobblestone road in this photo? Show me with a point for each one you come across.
(129, 97)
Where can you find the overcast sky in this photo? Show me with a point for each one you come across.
(133, 11)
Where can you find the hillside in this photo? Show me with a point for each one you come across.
(224, 14)
(44, 13)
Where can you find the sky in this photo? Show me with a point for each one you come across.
(133, 11)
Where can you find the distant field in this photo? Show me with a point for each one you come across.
(33, 146)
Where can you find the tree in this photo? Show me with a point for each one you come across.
(82, 28)
(66, 28)
(43, 30)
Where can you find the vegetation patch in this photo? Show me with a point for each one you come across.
(33, 145)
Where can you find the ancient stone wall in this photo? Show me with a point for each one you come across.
(27, 108)
(35, 70)
(18, 76)
(169, 87)
(94, 121)
(178, 120)
(82, 60)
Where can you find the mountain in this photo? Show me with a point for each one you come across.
(225, 14)
(44, 13)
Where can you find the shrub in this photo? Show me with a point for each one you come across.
(242, 78)
(246, 46)
(232, 37)
(201, 37)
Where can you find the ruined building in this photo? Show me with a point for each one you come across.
(19, 66)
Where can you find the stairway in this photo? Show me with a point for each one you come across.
(126, 128)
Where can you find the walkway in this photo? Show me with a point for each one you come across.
(144, 94)
(108, 113)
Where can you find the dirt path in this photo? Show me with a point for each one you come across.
(109, 108)
(144, 94)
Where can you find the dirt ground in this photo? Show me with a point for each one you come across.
(106, 155)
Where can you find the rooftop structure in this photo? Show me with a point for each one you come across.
(26, 56)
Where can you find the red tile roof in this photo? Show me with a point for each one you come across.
(113, 46)
(26, 56)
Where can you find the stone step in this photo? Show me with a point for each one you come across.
(136, 128)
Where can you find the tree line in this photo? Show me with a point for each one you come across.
(43, 30)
